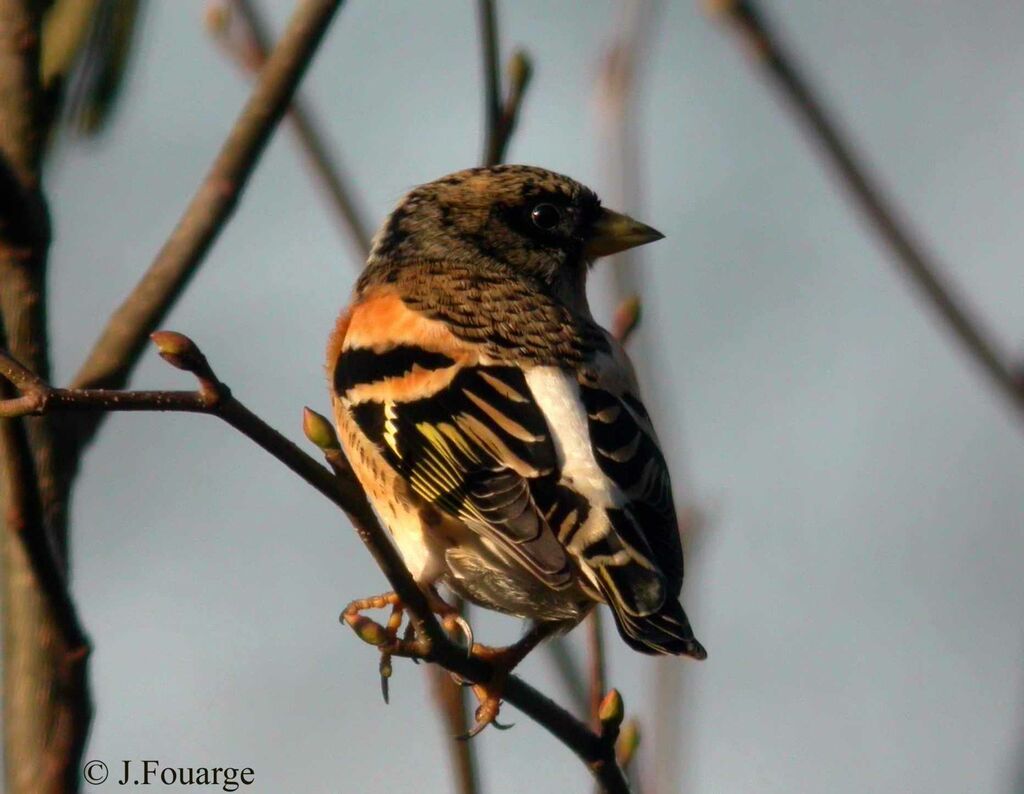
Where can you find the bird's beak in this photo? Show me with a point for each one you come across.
(613, 232)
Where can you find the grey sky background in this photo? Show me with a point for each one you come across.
(859, 587)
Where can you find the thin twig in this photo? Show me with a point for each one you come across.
(925, 273)
(488, 25)
(340, 486)
(500, 115)
(249, 50)
(595, 663)
(122, 341)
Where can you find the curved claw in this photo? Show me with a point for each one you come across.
(474, 731)
(467, 632)
(385, 676)
(482, 723)
(487, 712)
(455, 620)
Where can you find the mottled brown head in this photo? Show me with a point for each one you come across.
(530, 220)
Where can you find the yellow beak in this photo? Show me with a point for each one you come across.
(614, 232)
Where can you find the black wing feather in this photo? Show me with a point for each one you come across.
(639, 562)
(474, 450)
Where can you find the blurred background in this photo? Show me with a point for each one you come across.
(857, 578)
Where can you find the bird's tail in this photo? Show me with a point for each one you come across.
(666, 631)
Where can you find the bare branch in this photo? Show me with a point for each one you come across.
(248, 47)
(122, 341)
(488, 24)
(451, 704)
(340, 486)
(23, 507)
(500, 115)
(595, 664)
(47, 706)
(766, 50)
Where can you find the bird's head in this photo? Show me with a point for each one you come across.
(534, 221)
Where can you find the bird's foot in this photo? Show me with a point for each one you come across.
(385, 637)
(502, 661)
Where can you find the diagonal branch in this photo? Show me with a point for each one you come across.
(767, 51)
(122, 341)
(213, 397)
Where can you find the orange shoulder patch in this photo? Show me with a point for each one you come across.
(336, 340)
(382, 320)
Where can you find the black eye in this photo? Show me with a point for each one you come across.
(546, 216)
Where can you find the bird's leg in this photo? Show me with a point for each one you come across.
(386, 637)
(502, 661)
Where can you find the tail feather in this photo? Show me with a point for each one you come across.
(666, 631)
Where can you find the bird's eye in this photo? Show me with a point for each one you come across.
(546, 216)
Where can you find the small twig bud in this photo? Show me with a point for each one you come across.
(627, 318)
(611, 712)
(628, 743)
(519, 72)
(181, 352)
(319, 430)
(176, 349)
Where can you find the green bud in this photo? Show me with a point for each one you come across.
(319, 430)
(628, 743)
(611, 710)
(520, 69)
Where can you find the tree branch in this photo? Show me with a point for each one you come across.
(122, 341)
(488, 25)
(341, 487)
(765, 48)
(451, 704)
(47, 707)
(500, 116)
(247, 43)
(595, 664)
(23, 507)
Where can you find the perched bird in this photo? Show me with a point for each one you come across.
(496, 427)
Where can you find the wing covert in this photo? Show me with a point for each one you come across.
(476, 449)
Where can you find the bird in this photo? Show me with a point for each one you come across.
(496, 428)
